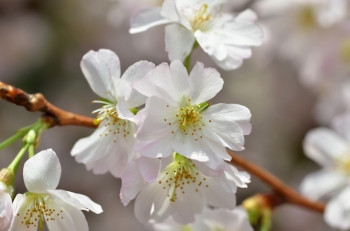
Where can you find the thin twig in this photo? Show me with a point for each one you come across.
(287, 193)
(37, 102)
(57, 116)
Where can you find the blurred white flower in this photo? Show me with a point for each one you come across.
(210, 220)
(332, 152)
(179, 188)
(110, 147)
(322, 13)
(178, 118)
(6, 209)
(226, 38)
(43, 204)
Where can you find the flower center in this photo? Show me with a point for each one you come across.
(345, 51)
(201, 18)
(307, 18)
(343, 163)
(181, 175)
(107, 116)
(189, 117)
(38, 210)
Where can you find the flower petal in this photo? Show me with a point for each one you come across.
(132, 183)
(146, 19)
(17, 221)
(322, 183)
(101, 69)
(6, 210)
(205, 83)
(42, 172)
(324, 146)
(231, 112)
(76, 200)
(169, 83)
(337, 213)
(71, 219)
(179, 42)
(134, 73)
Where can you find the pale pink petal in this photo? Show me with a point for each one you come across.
(6, 210)
(42, 172)
(132, 182)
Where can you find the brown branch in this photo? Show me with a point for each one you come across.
(37, 102)
(283, 190)
(57, 116)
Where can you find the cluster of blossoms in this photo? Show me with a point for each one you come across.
(171, 153)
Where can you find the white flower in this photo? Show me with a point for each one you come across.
(6, 209)
(227, 39)
(332, 152)
(179, 188)
(337, 213)
(177, 117)
(43, 204)
(210, 220)
(110, 147)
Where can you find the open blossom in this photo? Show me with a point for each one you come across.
(178, 118)
(6, 209)
(332, 152)
(226, 38)
(209, 220)
(44, 204)
(110, 147)
(179, 188)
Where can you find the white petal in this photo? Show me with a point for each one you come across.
(18, 208)
(205, 83)
(76, 200)
(324, 146)
(123, 109)
(169, 83)
(71, 218)
(247, 15)
(169, 10)
(217, 197)
(152, 204)
(132, 183)
(337, 213)
(146, 19)
(42, 172)
(179, 42)
(231, 112)
(322, 183)
(134, 73)
(101, 69)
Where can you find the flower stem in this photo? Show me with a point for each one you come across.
(15, 137)
(187, 62)
(31, 151)
(15, 163)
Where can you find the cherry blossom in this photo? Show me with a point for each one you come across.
(110, 147)
(226, 38)
(44, 204)
(178, 118)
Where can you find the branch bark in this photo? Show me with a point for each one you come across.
(283, 190)
(37, 102)
(57, 116)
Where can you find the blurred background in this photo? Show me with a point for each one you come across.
(285, 85)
